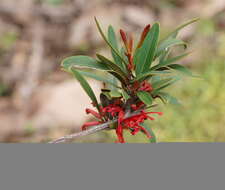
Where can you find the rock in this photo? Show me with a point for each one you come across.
(84, 30)
(62, 105)
(138, 16)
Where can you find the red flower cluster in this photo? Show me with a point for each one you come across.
(132, 123)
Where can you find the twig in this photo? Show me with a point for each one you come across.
(92, 130)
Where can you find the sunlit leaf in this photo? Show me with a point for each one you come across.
(81, 61)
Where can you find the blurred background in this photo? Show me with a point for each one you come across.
(39, 102)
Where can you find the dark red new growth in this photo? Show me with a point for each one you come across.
(124, 37)
(143, 35)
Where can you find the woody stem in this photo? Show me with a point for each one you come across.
(92, 130)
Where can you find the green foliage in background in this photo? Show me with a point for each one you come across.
(54, 2)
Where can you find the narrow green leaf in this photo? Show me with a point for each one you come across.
(81, 61)
(148, 128)
(145, 97)
(169, 83)
(155, 78)
(174, 33)
(181, 68)
(125, 95)
(115, 94)
(113, 66)
(114, 81)
(169, 61)
(150, 73)
(118, 76)
(160, 82)
(144, 55)
(86, 87)
(168, 98)
(167, 44)
(99, 78)
(164, 55)
(122, 52)
(106, 40)
(113, 41)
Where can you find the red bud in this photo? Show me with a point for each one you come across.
(130, 45)
(124, 37)
(143, 35)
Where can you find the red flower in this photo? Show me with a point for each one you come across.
(145, 86)
(90, 124)
(116, 110)
(94, 113)
(132, 123)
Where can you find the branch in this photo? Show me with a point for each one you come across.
(92, 130)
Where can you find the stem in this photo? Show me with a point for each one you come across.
(92, 130)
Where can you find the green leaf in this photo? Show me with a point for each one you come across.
(99, 78)
(164, 55)
(122, 52)
(108, 43)
(160, 82)
(148, 128)
(81, 61)
(118, 76)
(150, 73)
(114, 82)
(167, 44)
(168, 98)
(125, 95)
(181, 68)
(169, 61)
(164, 84)
(174, 33)
(115, 94)
(113, 66)
(113, 41)
(144, 55)
(86, 87)
(145, 97)
(155, 78)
